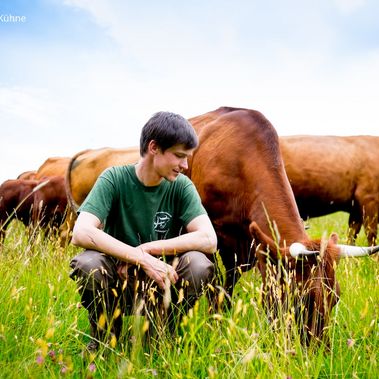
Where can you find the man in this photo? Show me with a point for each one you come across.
(134, 222)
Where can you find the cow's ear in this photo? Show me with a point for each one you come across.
(334, 238)
(264, 240)
(257, 234)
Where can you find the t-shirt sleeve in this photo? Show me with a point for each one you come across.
(100, 199)
(191, 206)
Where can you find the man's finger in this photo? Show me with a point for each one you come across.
(160, 282)
(173, 276)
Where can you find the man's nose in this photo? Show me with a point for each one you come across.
(184, 164)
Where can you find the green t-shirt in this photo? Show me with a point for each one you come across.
(134, 213)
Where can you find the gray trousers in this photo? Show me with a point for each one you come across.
(103, 291)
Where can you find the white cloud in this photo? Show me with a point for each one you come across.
(349, 6)
(30, 105)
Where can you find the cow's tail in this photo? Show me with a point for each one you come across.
(74, 206)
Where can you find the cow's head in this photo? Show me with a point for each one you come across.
(302, 277)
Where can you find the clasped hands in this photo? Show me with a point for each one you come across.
(161, 272)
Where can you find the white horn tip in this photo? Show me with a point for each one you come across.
(347, 251)
(296, 249)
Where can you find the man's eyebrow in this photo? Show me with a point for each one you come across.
(184, 153)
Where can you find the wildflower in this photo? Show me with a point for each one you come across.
(40, 359)
(92, 367)
(350, 342)
(52, 354)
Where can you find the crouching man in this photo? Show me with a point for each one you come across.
(144, 231)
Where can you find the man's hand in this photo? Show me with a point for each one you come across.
(158, 270)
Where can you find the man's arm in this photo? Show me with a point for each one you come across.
(200, 236)
(87, 233)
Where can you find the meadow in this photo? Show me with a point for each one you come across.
(43, 328)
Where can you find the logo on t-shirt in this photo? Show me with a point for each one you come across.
(162, 222)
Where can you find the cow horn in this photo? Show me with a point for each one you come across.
(298, 249)
(347, 251)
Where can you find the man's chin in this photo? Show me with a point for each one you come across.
(172, 178)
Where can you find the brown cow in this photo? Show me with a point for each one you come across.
(54, 166)
(36, 202)
(240, 175)
(85, 167)
(57, 166)
(331, 173)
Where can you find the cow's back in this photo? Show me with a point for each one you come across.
(27, 175)
(238, 171)
(85, 167)
(328, 172)
(53, 166)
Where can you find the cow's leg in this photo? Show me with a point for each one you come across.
(355, 222)
(4, 225)
(233, 274)
(2, 234)
(368, 201)
(370, 221)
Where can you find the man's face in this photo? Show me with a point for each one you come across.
(172, 161)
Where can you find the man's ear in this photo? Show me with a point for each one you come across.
(153, 147)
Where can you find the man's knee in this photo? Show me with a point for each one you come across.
(196, 269)
(92, 265)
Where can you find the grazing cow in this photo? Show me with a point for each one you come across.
(54, 166)
(36, 202)
(330, 173)
(240, 176)
(85, 167)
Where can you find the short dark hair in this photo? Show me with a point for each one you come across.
(168, 129)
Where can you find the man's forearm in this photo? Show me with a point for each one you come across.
(199, 241)
(96, 239)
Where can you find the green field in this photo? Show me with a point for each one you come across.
(43, 329)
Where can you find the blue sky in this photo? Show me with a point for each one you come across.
(83, 74)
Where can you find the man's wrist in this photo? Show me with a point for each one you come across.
(147, 248)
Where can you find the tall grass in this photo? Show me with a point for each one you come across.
(43, 329)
